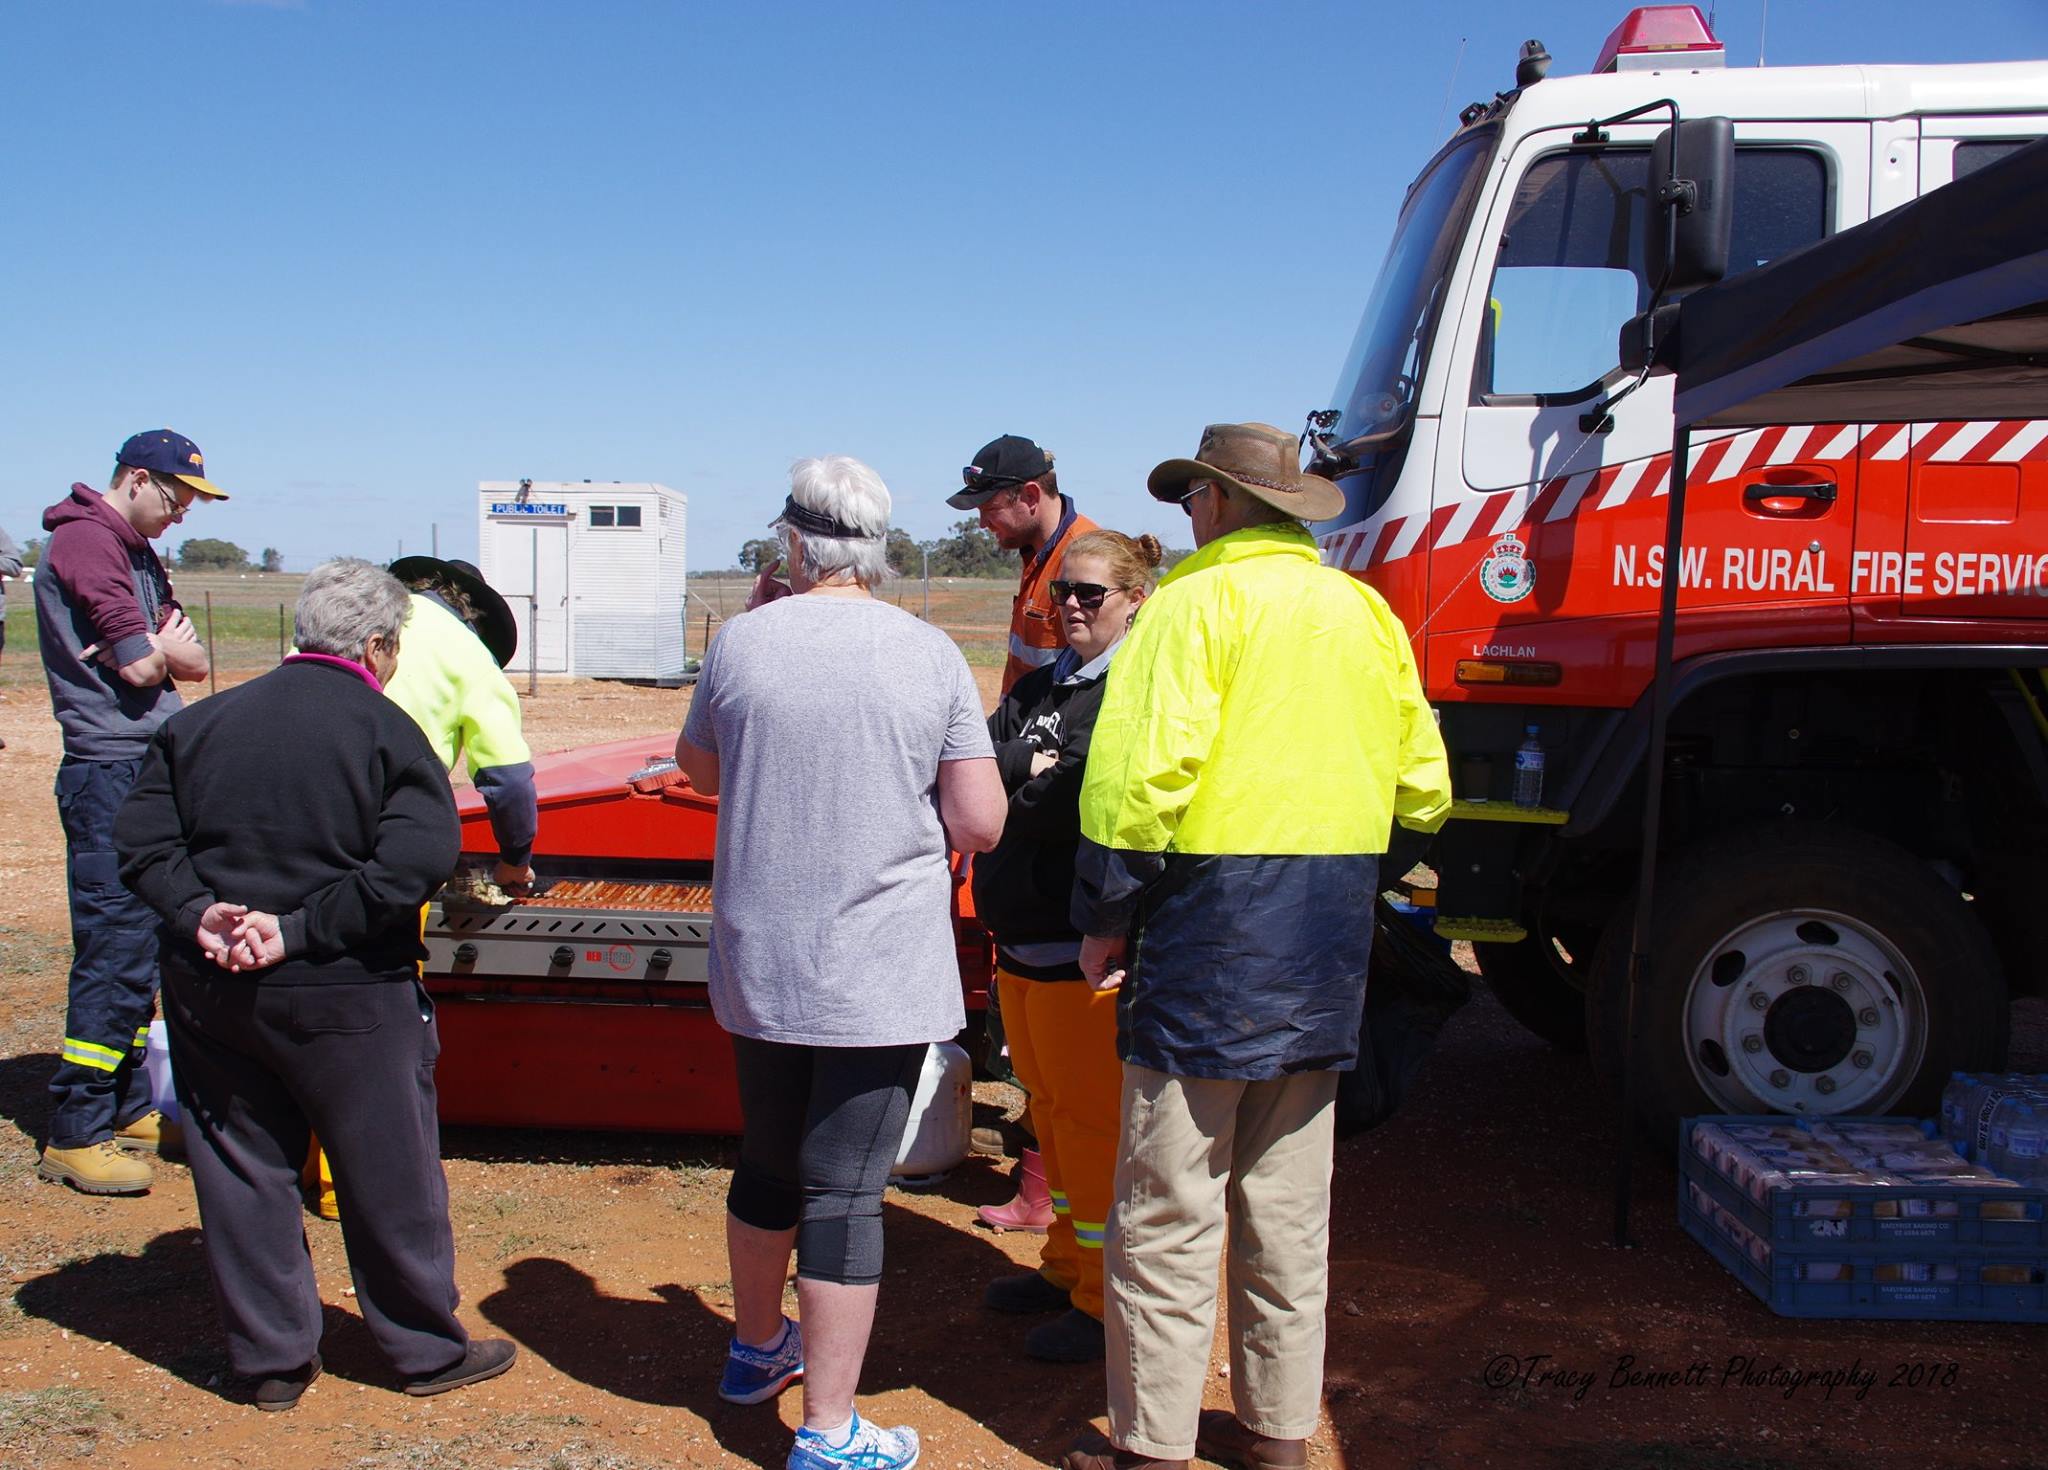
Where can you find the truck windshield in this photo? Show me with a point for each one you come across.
(1377, 386)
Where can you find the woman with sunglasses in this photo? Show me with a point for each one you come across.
(1061, 1031)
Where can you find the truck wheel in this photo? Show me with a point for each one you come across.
(1530, 980)
(1800, 968)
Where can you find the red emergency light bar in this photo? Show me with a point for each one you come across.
(1658, 38)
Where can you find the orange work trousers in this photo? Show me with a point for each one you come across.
(1062, 1036)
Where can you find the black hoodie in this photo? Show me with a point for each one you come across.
(1023, 889)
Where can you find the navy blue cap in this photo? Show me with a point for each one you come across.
(162, 452)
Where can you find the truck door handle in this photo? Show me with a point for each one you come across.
(1789, 500)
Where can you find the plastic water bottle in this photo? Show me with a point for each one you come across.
(2019, 1142)
(1954, 1105)
(1529, 770)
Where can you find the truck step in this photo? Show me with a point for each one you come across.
(1481, 931)
(1507, 811)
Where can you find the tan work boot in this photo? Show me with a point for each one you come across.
(97, 1168)
(152, 1133)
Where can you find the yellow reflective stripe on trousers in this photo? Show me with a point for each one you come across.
(1059, 1202)
(1089, 1234)
(141, 1037)
(92, 1054)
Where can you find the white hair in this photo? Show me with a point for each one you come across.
(840, 486)
(345, 603)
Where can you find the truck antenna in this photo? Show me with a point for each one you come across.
(1449, 87)
(1762, 26)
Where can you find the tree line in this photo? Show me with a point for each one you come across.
(969, 551)
(198, 554)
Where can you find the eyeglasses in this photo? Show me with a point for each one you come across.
(1187, 501)
(1088, 594)
(173, 506)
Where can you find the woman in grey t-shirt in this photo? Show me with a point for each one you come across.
(846, 743)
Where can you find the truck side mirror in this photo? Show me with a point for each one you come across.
(1692, 202)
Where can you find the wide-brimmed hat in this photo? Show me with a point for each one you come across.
(1258, 459)
(166, 452)
(493, 623)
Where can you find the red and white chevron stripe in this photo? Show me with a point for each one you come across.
(1385, 538)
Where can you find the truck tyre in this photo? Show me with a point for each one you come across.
(1526, 978)
(1800, 968)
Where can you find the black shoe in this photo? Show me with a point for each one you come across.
(281, 1392)
(1071, 1337)
(1026, 1294)
(486, 1358)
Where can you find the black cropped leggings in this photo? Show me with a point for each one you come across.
(823, 1125)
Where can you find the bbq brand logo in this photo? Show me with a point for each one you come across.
(1506, 574)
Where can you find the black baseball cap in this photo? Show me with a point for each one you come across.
(1002, 463)
(162, 452)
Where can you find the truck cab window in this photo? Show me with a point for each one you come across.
(1571, 269)
(1976, 153)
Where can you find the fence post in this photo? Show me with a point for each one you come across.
(212, 666)
(707, 634)
(280, 632)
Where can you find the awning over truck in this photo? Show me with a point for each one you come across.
(1937, 310)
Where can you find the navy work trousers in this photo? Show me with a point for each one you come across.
(261, 1067)
(116, 939)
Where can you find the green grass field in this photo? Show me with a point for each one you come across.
(249, 611)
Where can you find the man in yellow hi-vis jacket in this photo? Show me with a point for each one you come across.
(1260, 733)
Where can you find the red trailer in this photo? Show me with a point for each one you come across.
(585, 1006)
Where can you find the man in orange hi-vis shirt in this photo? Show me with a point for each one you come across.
(1011, 486)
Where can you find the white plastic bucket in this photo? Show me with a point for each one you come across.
(941, 1116)
(156, 1060)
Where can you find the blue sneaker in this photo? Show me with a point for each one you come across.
(753, 1374)
(868, 1447)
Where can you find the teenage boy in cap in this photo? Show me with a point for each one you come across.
(113, 641)
(1012, 488)
(1251, 893)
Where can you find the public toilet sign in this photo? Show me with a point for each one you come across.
(548, 510)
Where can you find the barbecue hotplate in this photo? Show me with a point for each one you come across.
(577, 929)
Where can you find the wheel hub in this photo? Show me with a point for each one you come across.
(1805, 1011)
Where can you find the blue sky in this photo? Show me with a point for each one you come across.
(367, 254)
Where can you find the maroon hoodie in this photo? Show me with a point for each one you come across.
(100, 582)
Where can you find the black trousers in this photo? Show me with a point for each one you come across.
(823, 1124)
(260, 1068)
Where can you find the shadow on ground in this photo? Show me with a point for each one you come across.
(931, 1334)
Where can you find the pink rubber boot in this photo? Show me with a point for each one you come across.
(1031, 1210)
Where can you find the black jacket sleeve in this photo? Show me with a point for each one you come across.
(418, 841)
(150, 837)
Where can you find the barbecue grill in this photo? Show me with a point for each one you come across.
(584, 1005)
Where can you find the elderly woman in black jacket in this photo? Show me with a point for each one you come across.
(1061, 1031)
(288, 831)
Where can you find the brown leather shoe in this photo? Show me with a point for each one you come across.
(1223, 1439)
(1093, 1452)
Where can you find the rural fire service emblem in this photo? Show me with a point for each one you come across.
(1507, 574)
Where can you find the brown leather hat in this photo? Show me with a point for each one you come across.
(1258, 459)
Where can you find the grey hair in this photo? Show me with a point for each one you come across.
(345, 603)
(840, 486)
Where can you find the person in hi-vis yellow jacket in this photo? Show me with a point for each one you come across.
(1261, 731)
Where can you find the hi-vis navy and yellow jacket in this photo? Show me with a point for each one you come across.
(1262, 729)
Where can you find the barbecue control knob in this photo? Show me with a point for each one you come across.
(661, 959)
(465, 954)
(563, 957)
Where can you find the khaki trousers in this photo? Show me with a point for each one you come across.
(1200, 1156)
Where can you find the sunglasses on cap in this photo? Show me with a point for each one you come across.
(974, 479)
(1088, 594)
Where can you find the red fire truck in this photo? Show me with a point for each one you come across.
(1855, 832)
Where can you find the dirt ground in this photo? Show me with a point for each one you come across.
(1478, 1313)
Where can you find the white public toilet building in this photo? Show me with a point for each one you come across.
(593, 569)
